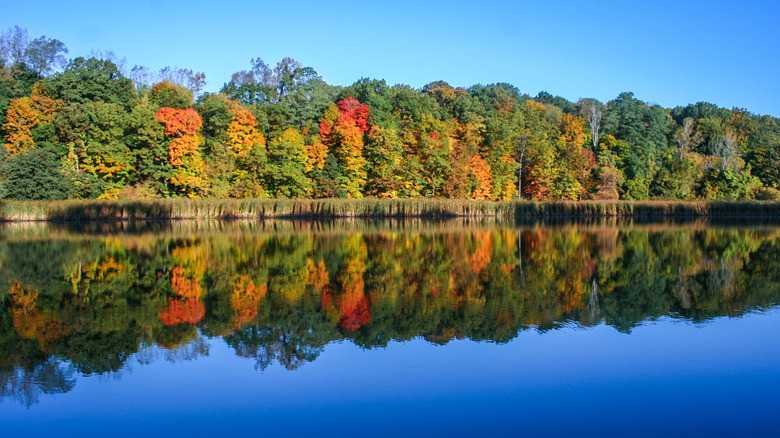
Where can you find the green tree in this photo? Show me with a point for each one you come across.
(92, 80)
(677, 177)
(93, 136)
(171, 95)
(763, 152)
(646, 128)
(33, 175)
(379, 99)
(146, 141)
(45, 55)
(288, 96)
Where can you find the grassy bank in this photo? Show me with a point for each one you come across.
(173, 209)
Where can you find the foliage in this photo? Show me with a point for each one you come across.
(182, 127)
(92, 80)
(342, 131)
(148, 136)
(25, 115)
(170, 95)
(285, 173)
(33, 175)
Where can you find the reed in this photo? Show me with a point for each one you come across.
(174, 209)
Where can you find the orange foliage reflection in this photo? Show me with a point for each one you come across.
(187, 308)
(32, 323)
(245, 300)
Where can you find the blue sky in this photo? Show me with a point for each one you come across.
(668, 52)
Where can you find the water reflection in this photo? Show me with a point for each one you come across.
(82, 302)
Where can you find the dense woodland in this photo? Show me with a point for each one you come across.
(91, 128)
(87, 303)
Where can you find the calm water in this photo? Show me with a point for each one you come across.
(413, 328)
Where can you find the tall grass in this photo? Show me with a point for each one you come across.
(172, 209)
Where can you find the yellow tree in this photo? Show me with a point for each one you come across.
(316, 154)
(25, 114)
(576, 160)
(286, 170)
(20, 121)
(248, 147)
(481, 178)
(242, 132)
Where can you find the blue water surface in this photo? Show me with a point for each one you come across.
(665, 378)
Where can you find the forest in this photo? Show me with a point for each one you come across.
(90, 128)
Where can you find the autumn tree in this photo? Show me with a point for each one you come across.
(286, 170)
(480, 178)
(245, 299)
(181, 128)
(25, 114)
(577, 160)
(21, 118)
(501, 107)
(248, 144)
(185, 305)
(349, 302)
(234, 150)
(384, 155)
(342, 129)
(426, 139)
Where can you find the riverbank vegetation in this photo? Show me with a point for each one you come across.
(92, 128)
(175, 209)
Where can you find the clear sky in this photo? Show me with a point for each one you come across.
(668, 52)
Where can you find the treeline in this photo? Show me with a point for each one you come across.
(88, 129)
(92, 302)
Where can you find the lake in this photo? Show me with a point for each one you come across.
(388, 328)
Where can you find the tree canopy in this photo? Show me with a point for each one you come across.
(282, 131)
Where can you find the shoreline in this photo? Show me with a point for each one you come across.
(327, 209)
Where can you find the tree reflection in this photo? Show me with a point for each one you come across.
(87, 304)
(26, 385)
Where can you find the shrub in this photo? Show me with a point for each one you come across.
(33, 175)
